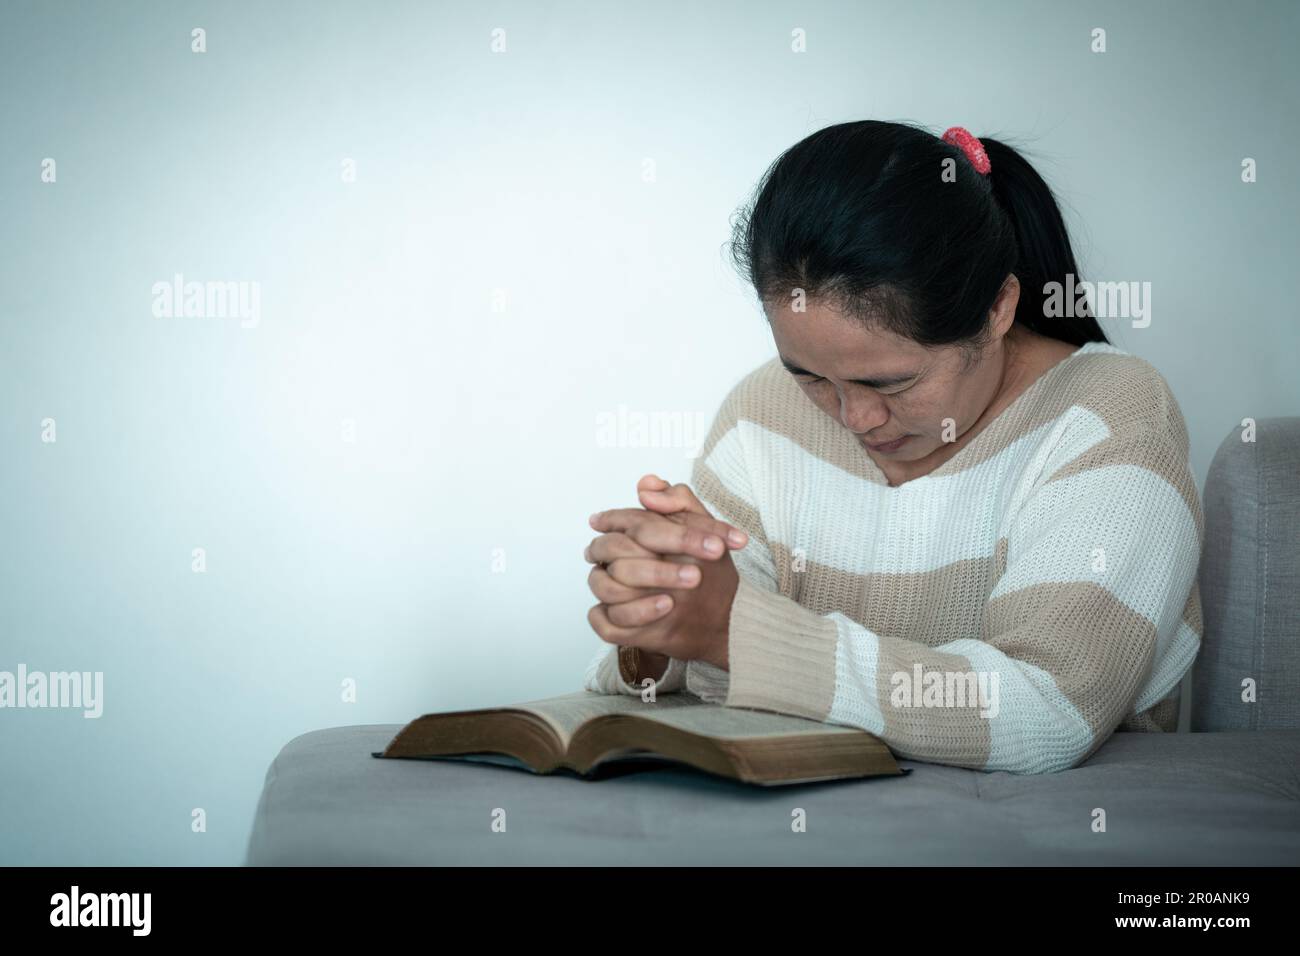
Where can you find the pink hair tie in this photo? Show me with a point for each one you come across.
(961, 137)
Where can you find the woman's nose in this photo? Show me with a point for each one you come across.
(862, 411)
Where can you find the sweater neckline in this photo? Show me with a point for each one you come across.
(1005, 419)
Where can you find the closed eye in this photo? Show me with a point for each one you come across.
(806, 379)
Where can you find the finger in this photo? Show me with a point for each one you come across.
(609, 590)
(675, 498)
(640, 612)
(651, 483)
(598, 618)
(645, 573)
(606, 547)
(696, 535)
(615, 544)
(734, 536)
(677, 503)
(662, 501)
(685, 533)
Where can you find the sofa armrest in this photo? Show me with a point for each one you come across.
(1250, 583)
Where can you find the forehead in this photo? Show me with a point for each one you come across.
(823, 340)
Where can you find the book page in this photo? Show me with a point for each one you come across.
(715, 720)
(568, 712)
(682, 710)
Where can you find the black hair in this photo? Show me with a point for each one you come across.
(859, 217)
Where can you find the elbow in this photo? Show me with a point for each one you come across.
(1048, 749)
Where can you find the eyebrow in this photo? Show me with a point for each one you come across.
(869, 382)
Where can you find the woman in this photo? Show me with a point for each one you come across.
(959, 520)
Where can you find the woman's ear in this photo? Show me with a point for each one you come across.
(1003, 312)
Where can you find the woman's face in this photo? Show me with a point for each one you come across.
(883, 387)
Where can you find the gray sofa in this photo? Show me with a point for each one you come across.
(1228, 793)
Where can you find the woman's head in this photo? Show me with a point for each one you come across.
(875, 258)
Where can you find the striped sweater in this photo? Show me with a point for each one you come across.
(1007, 611)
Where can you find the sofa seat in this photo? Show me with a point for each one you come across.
(1229, 798)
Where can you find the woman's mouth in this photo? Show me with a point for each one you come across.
(887, 447)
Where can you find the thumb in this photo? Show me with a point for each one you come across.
(657, 495)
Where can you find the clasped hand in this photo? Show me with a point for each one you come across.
(664, 576)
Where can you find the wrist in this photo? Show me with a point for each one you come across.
(721, 655)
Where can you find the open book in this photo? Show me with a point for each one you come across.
(585, 730)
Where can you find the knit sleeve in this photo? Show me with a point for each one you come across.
(1097, 564)
(612, 670)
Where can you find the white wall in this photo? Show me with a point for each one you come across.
(475, 429)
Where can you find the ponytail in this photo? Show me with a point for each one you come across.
(1043, 252)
